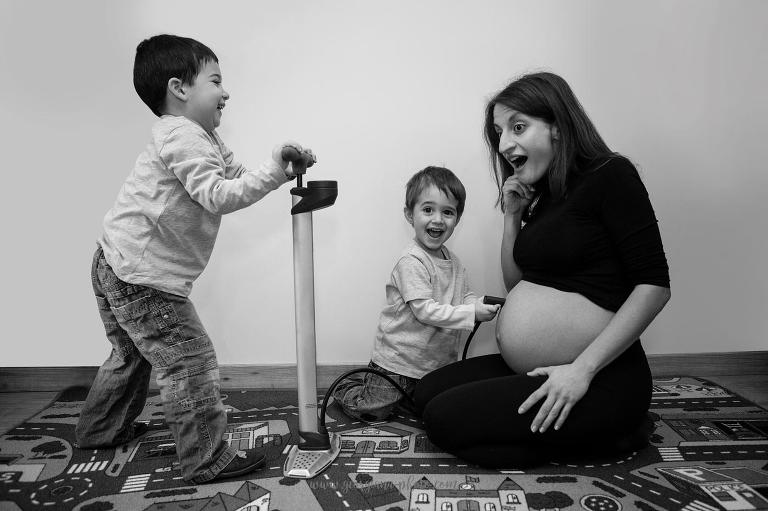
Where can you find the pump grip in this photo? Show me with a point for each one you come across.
(299, 160)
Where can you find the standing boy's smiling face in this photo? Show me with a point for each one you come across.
(206, 97)
(434, 217)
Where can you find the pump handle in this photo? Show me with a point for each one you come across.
(299, 160)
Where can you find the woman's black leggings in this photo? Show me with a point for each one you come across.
(470, 407)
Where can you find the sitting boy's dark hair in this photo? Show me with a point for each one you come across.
(162, 57)
(443, 179)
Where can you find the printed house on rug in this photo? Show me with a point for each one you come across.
(508, 497)
(250, 497)
(382, 439)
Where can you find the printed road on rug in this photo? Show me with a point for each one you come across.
(708, 452)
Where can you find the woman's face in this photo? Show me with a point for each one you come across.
(527, 143)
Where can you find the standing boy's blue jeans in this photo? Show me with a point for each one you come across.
(150, 328)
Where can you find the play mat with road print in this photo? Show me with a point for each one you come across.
(709, 451)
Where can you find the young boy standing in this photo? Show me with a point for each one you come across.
(428, 301)
(157, 240)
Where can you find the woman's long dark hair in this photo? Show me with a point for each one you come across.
(548, 97)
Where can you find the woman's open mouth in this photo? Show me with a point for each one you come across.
(517, 162)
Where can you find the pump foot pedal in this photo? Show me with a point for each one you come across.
(303, 464)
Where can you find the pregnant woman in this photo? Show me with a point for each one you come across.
(584, 264)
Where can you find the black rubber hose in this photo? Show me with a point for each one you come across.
(491, 300)
(321, 428)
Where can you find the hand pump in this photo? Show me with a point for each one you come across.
(316, 448)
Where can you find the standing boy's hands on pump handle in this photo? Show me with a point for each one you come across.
(277, 155)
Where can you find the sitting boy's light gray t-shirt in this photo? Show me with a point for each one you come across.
(405, 345)
(161, 230)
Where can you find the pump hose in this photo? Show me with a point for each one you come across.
(329, 392)
(490, 300)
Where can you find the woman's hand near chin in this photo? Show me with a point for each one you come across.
(516, 196)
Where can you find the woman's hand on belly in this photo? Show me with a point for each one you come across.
(564, 387)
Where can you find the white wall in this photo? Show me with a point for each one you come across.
(378, 90)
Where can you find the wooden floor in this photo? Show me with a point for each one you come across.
(16, 407)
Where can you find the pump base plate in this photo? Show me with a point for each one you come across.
(303, 464)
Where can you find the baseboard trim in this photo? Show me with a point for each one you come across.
(710, 364)
(40, 379)
(34, 379)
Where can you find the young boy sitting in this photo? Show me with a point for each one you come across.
(429, 303)
(157, 239)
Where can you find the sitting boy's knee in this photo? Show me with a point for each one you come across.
(365, 406)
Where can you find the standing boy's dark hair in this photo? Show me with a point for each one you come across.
(443, 179)
(162, 57)
(548, 97)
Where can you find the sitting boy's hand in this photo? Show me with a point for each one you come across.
(277, 155)
(485, 312)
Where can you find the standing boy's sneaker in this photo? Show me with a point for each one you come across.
(243, 463)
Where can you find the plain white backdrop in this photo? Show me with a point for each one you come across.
(379, 90)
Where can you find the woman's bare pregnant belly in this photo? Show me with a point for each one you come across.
(542, 326)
